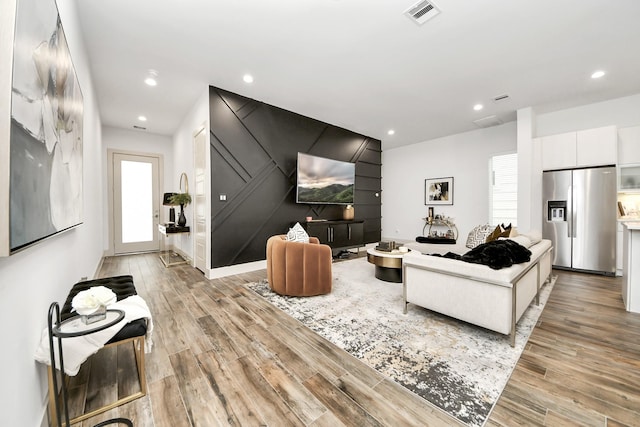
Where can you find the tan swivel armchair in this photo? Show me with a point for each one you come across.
(298, 269)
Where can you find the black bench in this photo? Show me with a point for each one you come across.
(133, 332)
(123, 287)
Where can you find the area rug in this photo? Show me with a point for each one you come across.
(456, 366)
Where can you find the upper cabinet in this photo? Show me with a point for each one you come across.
(629, 145)
(559, 151)
(592, 147)
(629, 178)
(597, 146)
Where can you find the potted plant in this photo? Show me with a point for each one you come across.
(182, 199)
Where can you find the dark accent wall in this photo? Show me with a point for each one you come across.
(254, 148)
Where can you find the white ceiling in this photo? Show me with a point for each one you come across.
(361, 64)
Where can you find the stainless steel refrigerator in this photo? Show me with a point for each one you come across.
(579, 208)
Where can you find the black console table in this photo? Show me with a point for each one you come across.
(170, 258)
(432, 236)
(339, 234)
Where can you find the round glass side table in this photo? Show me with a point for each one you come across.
(74, 327)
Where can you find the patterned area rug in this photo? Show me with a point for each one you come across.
(456, 366)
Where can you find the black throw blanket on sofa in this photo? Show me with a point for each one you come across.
(496, 254)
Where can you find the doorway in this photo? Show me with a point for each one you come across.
(201, 207)
(135, 182)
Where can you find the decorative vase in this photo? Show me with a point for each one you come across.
(99, 314)
(348, 212)
(182, 220)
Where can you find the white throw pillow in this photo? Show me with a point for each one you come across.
(522, 240)
(479, 235)
(297, 233)
(534, 235)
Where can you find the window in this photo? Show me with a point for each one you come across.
(504, 189)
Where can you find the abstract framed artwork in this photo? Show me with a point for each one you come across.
(438, 191)
(45, 194)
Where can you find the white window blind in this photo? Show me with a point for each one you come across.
(504, 189)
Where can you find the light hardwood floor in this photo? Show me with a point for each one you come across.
(223, 356)
(581, 365)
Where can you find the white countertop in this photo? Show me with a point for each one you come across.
(632, 225)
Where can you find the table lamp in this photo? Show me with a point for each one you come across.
(166, 201)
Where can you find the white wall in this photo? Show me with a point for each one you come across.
(465, 157)
(37, 276)
(183, 160)
(139, 142)
(529, 176)
(621, 112)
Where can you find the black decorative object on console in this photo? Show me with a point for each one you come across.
(166, 201)
(182, 199)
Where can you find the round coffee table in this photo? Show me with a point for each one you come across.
(388, 264)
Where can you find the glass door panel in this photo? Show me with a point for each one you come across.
(136, 203)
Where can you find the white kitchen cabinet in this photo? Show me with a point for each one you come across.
(596, 147)
(629, 145)
(630, 272)
(559, 151)
(591, 147)
(629, 178)
(619, 249)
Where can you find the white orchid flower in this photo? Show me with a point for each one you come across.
(90, 300)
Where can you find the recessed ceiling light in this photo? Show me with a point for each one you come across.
(248, 78)
(478, 107)
(391, 132)
(142, 118)
(597, 74)
(152, 78)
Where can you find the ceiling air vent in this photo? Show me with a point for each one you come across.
(501, 98)
(422, 11)
(139, 127)
(488, 121)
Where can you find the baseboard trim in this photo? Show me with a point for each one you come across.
(45, 417)
(215, 273)
(97, 270)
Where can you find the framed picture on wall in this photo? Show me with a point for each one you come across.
(438, 191)
(41, 140)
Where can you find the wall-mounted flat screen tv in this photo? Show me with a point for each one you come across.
(327, 181)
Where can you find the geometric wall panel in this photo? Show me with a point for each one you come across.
(254, 148)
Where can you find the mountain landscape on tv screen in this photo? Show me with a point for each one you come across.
(334, 193)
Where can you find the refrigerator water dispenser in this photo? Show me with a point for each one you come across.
(557, 211)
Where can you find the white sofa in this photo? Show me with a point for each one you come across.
(475, 293)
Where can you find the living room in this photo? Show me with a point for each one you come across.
(34, 277)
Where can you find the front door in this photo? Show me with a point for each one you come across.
(135, 203)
